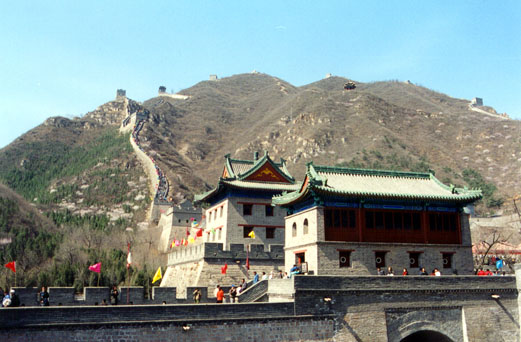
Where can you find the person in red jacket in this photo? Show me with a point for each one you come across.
(220, 294)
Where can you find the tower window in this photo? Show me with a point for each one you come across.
(247, 209)
(344, 258)
(246, 231)
(414, 259)
(379, 258)
(447, 260)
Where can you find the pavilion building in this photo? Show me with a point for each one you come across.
(242, 227)
(241, 202)
(345, 221)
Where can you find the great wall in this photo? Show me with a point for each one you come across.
(159, 185)
(303, 308)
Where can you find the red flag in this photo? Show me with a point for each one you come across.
(224, 268)
(248, 257)
(11, 265)
(199, 232)
(95, 268)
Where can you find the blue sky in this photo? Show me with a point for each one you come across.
(67, 57)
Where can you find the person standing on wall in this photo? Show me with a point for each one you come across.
(197, 296)
(114, 293)
(220, 294)
(44, 297)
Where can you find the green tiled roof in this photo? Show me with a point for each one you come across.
(263, 185)
(239, 169)
(362, 183)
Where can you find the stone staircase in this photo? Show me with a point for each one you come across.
(273, 290)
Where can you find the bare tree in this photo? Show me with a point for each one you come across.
(495, 239)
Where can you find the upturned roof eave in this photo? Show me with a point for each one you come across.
(260, 162)
(466, 198)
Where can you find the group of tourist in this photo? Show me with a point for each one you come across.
(272, 275)
(390, 272)
(481, 272)
(163, 186)
(11, 299)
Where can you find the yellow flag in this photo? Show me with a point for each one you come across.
(158, 275)
(252, 235)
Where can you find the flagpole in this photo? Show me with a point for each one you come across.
(128, 274)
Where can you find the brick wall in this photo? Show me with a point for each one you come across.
(325, 308)
(289, 329)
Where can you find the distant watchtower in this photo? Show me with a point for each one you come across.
(162, 90)
(213, 78)
(477, 101)
(121, 93)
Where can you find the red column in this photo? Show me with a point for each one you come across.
(424, 225)
(359, 223)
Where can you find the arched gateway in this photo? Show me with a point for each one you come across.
(426, 336)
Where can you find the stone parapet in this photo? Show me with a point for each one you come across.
(209, 251)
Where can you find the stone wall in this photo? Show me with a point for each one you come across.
(397, 256)
(325, 308)
(383, 309)
(250, 329)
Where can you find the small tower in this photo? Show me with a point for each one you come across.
(213, 77)
(120, 94)
(477, 101)
(328, 75)
(162, 90)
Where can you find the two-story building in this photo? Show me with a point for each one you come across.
(351, 221)
(242, 228)
(241, 202)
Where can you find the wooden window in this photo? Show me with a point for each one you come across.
(300, 258)
(414, 259)
(246, 230)
(369, 219)
(379, 220)
(447, 260)
(270, 233)
(306, 228)
(447, 222)
(407, 222)
(416, 221)
(388, 218)
(247, 209)
(398, 220)
(268, 210)
(379, 258)
(336, 219)
(344, 258)
(294, 229)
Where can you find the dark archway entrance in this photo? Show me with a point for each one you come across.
(426, 336)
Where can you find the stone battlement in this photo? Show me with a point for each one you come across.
(216, 251)
(361, 308)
